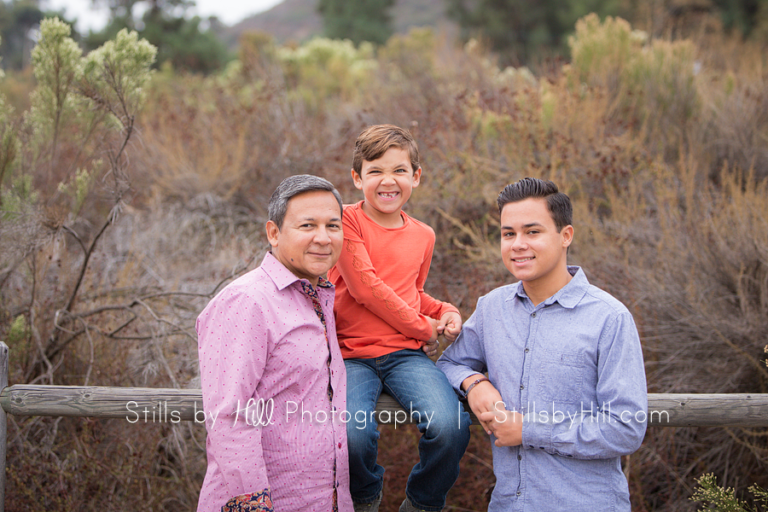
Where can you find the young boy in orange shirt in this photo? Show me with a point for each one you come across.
(387, 325)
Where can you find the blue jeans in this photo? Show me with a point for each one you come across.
(423, 391)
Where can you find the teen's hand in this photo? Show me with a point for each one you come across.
(483, 398)
(430, 348)
(507, 426)
(450, 326)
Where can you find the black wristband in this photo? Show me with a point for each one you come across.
(475, 383)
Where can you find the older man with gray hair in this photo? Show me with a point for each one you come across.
(273, 379)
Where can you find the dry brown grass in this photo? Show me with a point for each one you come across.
(666, 166)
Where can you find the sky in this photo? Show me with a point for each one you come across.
(228, 11)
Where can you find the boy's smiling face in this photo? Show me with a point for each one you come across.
(387, 183)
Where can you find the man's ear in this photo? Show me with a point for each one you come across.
(417, 177)
(357, 179)
(567, 235)
(273, 232)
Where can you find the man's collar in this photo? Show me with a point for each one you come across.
(281, 276)
(569, 295)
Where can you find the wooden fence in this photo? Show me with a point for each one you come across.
(175, 405)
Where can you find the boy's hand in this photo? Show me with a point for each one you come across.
(430, 346)
(436, 330)
(450, 326)
(507, 426)
(482, 399)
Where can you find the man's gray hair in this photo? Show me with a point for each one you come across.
(293, 186)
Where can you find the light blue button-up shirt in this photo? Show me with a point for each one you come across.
(573, 366)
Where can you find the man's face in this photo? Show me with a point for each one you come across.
(310, 240)
(531, 247)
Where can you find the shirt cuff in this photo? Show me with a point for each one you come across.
(537, 435)
(447, 307)
(254, 502)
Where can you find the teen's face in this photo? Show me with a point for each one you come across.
(387, 183)
(531, 248)
(309, 243)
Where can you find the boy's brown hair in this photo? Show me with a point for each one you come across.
(375, 140)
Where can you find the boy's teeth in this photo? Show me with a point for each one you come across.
(520, 260)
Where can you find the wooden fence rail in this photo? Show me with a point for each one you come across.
(155, 405)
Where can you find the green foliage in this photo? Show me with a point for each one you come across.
(412, 54)
(79, 187)
(9, 143)
(18, 331)
(652, 83)
(358, 21)
(723, 499)
(114, 76)
(520, 30)
(19, 197)
(322, 68)
(57, 69)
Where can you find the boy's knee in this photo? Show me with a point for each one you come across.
(449, 428)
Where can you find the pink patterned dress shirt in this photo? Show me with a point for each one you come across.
(260, 339)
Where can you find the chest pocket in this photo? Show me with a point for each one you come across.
(559, 377)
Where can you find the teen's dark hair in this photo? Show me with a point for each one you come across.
(558, 204)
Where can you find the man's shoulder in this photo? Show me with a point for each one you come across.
(254, 284)
(600, 298)
(498, 295)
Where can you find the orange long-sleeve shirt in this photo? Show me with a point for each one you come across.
(381, 306)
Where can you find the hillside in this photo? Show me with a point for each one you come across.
(298, 20)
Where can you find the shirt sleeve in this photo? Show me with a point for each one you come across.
(369, 290)
(233, 347)
(465, 356)
(616, 424)
(430, 306)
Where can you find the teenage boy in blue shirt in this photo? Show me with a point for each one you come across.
(565, 395)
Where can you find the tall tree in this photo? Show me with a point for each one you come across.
(184, 42)
(17, 19)
(357, 20)
(521, 29)
(743, 15)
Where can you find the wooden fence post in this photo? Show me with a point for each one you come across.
(3, 421)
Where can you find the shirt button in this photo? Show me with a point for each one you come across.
(522, 387)
(533, 315)
(527, 350)
(519, 493)
(519, 457)
(339, 445)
